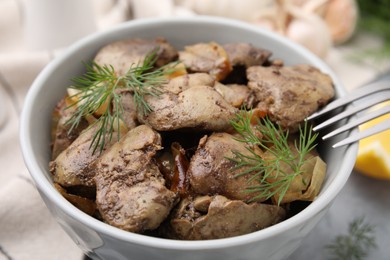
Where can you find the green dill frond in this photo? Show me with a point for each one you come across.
(271, 173)
(96, 89)
(242, 124)
(356, 244)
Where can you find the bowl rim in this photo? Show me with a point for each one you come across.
(45, 186)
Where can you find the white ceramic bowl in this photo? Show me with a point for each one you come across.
(102, 241)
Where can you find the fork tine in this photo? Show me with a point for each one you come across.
(383, 126)
(358, 93)
(359, 121)
(383, 97)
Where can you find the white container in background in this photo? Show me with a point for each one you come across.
(54, 24)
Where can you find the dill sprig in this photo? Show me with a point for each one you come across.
(356, 244)
(276, 173)
(97, 88)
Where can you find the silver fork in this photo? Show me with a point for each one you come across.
(373, 94)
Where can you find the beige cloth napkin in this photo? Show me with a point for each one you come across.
(27, 230)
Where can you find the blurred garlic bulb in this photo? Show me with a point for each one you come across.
(341, 17)
(309, 30)
(148, 8)
(243, 9)
(312, 6)
(316, 24)
(303, 27)
(272, 18)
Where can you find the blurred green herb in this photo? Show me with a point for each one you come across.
(374, 18)
(355, 245)
(275, 142)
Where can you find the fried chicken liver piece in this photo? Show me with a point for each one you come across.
(245, 54)
(130, 190)
(123, 54)
(290, 94)
(194, 106)
(71, 166)
(212, 172)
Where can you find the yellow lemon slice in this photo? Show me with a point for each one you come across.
(373, 157)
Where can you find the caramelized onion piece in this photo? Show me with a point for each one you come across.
(304, 186)
(179, 181)
(86, 205)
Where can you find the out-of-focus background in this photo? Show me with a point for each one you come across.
(352, 36)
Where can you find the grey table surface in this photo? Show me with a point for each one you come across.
(361, 197)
